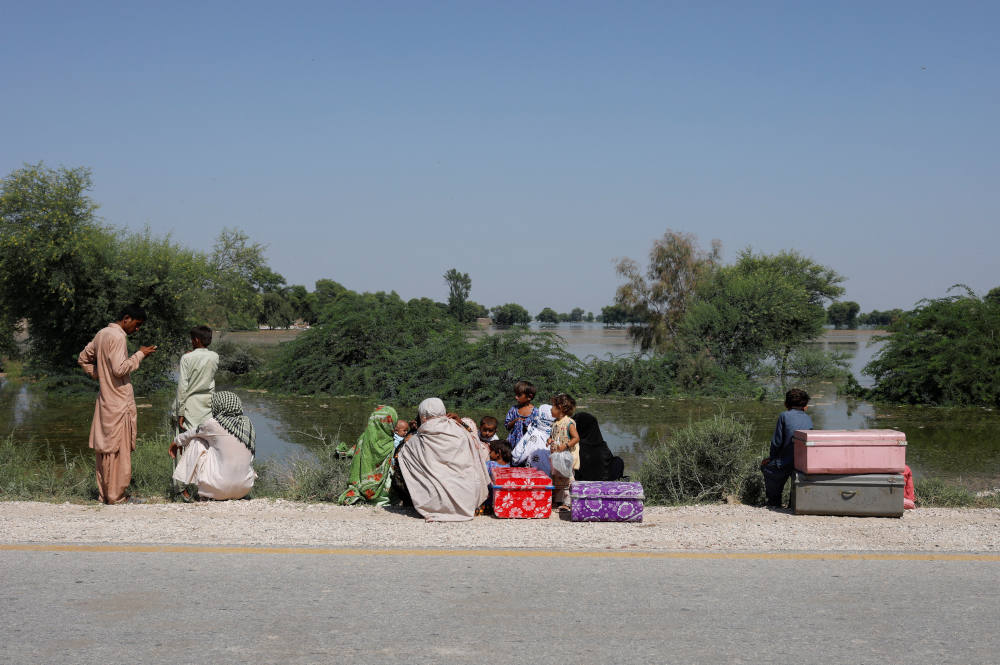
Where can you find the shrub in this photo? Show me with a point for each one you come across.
(706, 461)
(322, 478)
(945, 352)
(238, 359)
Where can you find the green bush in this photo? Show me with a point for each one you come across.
(238, 359)
(630, 375)
(706, 461)
(946, 352)
(322, 478)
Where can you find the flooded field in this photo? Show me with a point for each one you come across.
(961, 445)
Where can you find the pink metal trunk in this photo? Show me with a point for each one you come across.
(850, 451)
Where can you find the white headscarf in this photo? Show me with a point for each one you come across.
(432, 407)
(443, 466)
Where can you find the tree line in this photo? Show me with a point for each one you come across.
(702, 326)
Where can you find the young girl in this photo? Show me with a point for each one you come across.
(564, 438)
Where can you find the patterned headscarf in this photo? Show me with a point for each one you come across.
(227, 409)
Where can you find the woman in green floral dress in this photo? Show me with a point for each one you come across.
(371, 466)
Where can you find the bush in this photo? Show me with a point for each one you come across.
(704, 462)
(943, 353)
(237, 359)
(630, 376)
(304, 479)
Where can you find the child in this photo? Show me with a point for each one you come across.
(400, 433)
(564, 438)
(781, 462)
(533, 450)
(499, 458)
(522, 414)
(196, 381)
(488, 429)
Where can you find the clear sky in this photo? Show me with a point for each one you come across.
(527, 143)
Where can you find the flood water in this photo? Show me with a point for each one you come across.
(961, 445)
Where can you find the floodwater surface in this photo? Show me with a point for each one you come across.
(960, 445)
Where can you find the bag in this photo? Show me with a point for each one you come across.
(562, 463)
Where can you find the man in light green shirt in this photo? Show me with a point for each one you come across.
(196, 383)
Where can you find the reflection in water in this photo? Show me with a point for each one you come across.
(962, 445)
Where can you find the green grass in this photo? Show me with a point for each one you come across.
(30, 472)
(938, 493)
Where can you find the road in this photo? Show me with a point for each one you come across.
(184, 604)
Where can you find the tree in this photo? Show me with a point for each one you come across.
(241, 276)
(993, 296)
(277, 310)
(614, 315)
(576, 315)
(459, 287)
(474, 310)
(663, 292)
(547, 315)
(302, 303)
(510, 314)
(763, 305)
(843, 314)
(590, 317)
(68, 275)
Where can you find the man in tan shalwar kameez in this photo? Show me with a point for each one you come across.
(112, 433)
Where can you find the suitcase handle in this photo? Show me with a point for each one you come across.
(847, 494)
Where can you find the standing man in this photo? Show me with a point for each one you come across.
(112, 433)
(196, 383)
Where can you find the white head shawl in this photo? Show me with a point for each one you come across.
(545, 418)
(432, 407)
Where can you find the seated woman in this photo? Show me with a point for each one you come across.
(372, 460)
(443, 467)
(218, 455)
(596, 460)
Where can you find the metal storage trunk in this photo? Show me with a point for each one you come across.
(606, 501)
(521, 492)
(865, 495)
(849, 451)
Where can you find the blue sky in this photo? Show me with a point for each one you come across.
(528, 144)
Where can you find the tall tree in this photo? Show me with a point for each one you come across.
(459, 287)
(241, 277)
(763, 305)
(662, 293)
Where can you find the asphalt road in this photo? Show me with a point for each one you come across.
(289, 606)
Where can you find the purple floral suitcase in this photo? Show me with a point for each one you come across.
(606, 501)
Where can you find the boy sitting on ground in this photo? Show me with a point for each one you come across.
(780, 465)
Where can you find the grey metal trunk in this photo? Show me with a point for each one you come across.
(869, 494)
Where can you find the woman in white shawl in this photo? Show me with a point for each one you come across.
(218, 456)
(533, 448)
(443, 467)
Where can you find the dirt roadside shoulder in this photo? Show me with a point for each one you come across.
(721, 528)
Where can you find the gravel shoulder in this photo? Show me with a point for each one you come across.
(715, 528)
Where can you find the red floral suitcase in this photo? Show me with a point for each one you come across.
(521, 492)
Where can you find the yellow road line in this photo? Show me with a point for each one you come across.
(353, 551)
